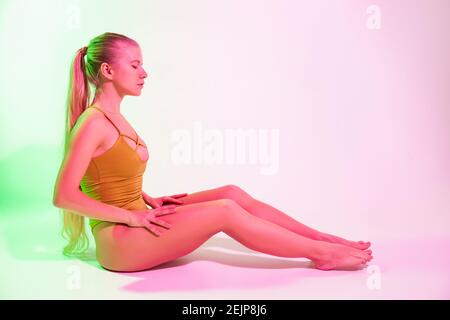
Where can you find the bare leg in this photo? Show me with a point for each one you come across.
(269, 213)
(272, 214)
(123, 248)
(264, 236)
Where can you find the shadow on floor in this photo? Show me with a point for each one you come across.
(250, 270)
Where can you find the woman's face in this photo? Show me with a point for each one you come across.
(127, 73)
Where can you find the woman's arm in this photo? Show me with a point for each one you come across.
(88, 207)
(87, 134)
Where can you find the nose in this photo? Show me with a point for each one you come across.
(144, 75)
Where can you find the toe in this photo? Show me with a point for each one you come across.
(361, 255)
(362, 245)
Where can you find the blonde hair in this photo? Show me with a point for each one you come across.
(103, 48)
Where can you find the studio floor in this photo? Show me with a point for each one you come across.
(32, 267)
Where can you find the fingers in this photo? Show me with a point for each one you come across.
(148, 224)
(176, 201)
(167, 200)
(150, 228)
(179, 195)
(165, 210)
(161, 223)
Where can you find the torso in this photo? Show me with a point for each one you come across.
(112, 136)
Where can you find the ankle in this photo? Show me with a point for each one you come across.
(318, 250)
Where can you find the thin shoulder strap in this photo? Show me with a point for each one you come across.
(135, 140)
(107, 118)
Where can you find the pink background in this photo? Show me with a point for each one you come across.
(363, 114)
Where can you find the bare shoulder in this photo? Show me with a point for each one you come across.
(90, 115)
(88, 133)
(89, 130)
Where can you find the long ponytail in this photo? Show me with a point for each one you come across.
(103, 48)
(77, 101)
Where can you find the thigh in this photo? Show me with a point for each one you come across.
(124, 248)
(229, 191)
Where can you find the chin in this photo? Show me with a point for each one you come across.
(135, 94)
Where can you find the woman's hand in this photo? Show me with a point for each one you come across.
(161, 201)
(145, 218)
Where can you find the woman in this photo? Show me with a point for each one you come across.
(101, 178)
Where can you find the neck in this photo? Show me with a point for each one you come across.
(108, 99)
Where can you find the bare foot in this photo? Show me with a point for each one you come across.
(334, 256)
(335, 239)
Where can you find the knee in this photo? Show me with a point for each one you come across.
(233, 192)
(229, 208)
(228, 203)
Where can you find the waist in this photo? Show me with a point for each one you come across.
(136, 204)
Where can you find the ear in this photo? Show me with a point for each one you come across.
(106, 71)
